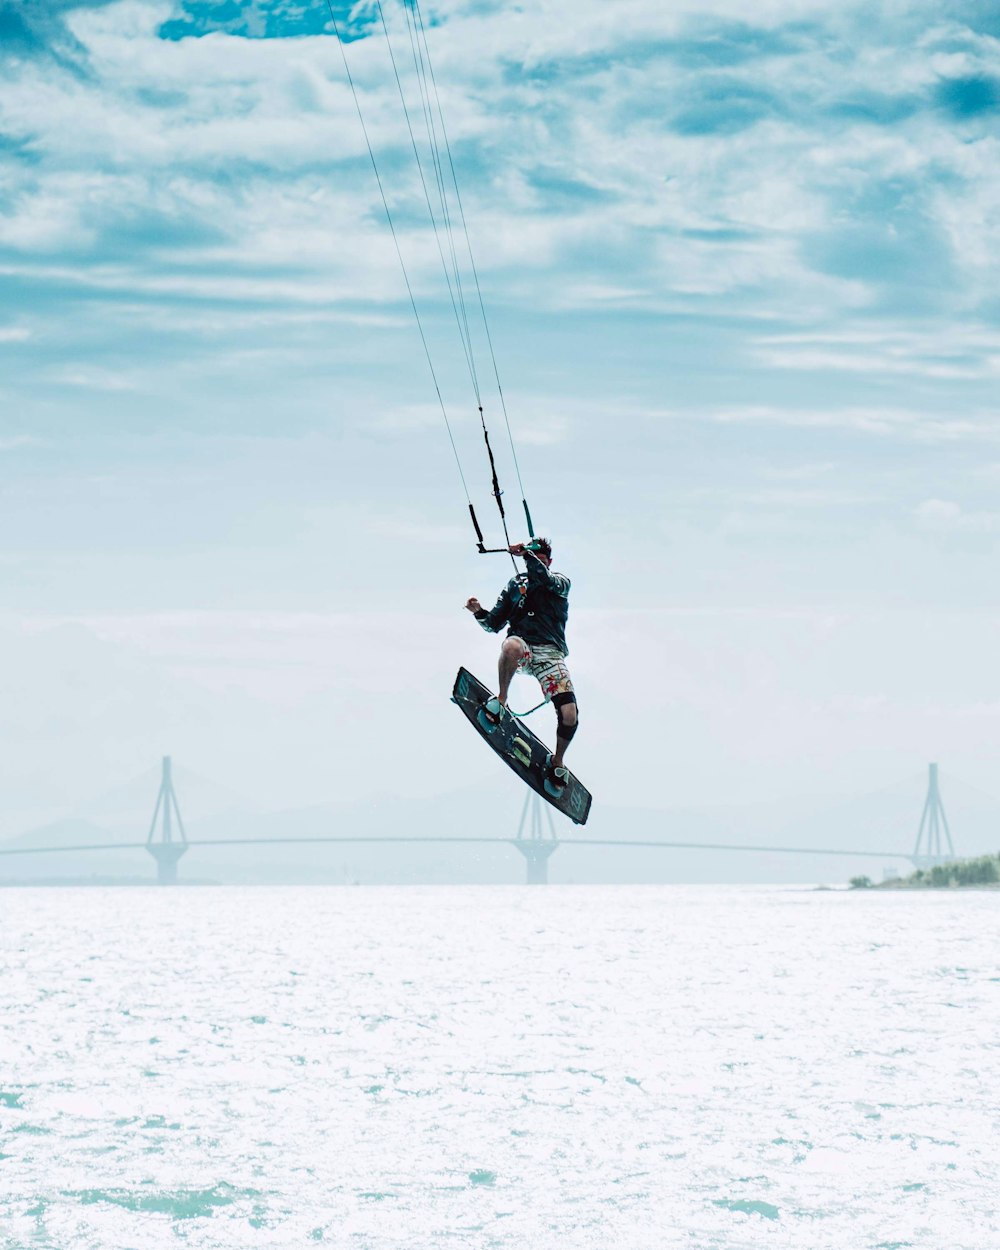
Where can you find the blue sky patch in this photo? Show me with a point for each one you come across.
(878, 108)
(970, 96)
(263, 19)
(980, 16)
(40, 29)
(707, 42)
(15, 33)
(909, 259)
(725, 106)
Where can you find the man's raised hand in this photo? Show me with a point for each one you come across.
(473, 605)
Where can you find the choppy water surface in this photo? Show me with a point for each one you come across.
(566, 1067)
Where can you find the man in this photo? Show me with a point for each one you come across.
(534, 605)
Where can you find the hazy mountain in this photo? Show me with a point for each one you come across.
(130, 806)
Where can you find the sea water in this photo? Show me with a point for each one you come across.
(564, 1067)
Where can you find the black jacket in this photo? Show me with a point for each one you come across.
(535, 605)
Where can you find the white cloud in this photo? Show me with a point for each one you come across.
(89, 377)
(542, 430)
(943, 350)
(282, 107)
(910, 423)
(935, 510)
(948, 516)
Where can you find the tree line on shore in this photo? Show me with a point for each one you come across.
(983, 870)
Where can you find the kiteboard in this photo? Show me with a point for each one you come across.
(518, 747)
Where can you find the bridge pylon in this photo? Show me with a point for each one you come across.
(168, 849)
(933, 833)
(535, 842)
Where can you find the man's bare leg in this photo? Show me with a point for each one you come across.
(511, 655)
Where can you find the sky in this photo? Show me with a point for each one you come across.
(742, 271)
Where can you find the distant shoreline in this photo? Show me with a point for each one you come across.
(14, 883)
(981, 873)
(905, 887)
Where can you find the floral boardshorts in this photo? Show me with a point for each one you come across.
(548, 666)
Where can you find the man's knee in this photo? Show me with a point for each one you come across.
(566, 712)
(513, 649)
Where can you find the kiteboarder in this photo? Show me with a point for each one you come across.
(534, 605)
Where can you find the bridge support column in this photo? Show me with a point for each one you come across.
(934, 844)
(536, 852)
(167, 848)
(166, 855)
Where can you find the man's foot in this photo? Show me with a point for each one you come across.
(556, 779)
(491, 713)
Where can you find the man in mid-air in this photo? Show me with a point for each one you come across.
(535, 605)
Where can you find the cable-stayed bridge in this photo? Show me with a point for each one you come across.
(536, 840)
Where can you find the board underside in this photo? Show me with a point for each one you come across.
(520, 750)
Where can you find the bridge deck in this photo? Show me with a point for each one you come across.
(459, 840)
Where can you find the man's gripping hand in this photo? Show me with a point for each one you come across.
(473, 605)
(516, 549)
